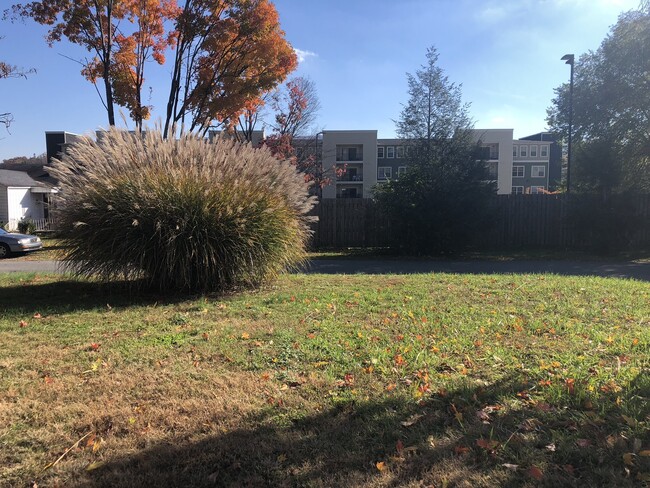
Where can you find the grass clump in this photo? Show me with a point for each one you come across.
(181, 214)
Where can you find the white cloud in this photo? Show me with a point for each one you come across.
(493, 14)
(303, 55)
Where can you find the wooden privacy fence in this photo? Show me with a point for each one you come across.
(520, 221)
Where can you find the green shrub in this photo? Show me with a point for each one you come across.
(180, 214)
(26, 226)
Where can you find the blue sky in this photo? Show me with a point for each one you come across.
(505, 53)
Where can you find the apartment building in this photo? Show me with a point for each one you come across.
(537, 164)
(356, 151)
(368, 160)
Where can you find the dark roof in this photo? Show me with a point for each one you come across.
(17, 178)
(540, 136)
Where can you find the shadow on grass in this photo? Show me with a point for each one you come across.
(76, 295)
(614, 269)
(429, 444)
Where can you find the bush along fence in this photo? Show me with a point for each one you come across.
(30, 225)
(581, 222)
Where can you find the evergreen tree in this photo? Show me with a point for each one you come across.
(443, 199)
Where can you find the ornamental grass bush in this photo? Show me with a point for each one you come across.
(180, 215)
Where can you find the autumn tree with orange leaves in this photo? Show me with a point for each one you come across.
(228, 53)
(149, 41)
(295, 108)
(88, 23)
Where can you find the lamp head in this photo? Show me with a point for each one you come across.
(568, 58)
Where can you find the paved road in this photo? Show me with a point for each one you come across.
(20, 266)
(616, 269)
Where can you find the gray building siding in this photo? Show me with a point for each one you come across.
(4, 208)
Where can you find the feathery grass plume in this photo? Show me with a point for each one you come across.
(183, 214)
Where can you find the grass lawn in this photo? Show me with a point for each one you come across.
(420, 380)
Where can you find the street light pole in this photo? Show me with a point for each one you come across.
(569, 59)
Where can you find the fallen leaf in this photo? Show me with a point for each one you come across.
(97, 445)
(205, 336)
(583, 443)
(460, 450)
(91, 440)
(412, 420)
(550, 447)
(645, 453)
(535, 472)
(95, 465)
(380, 465)
(629, 420)
(23, 324)
(511, 467)
(570, 384)
(628, 458)
(391, 387)
(483, 416)
(94, 346)
(245, 335)
(488, 444)
(38, 316)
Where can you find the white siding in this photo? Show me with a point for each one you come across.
(24, 204)
(503, 137)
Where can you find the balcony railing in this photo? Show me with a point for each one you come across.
(351, 157)
(350, 178)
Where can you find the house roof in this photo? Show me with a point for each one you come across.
(17, 178)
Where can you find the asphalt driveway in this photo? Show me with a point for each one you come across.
(639, 270)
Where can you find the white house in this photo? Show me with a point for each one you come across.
(22, 197)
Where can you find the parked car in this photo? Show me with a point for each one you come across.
(10, 242)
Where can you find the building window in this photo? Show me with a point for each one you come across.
(384, 172)
(533, 151)
(523, 151)
(538, 171)
(537, 190)
(515, 151)
(390, 152)
(489, 151)
(349, 152)
(380, 152)
(401, 170)
(493, 169)
(400, 151)
(517, 171)
(543, 151)
(517, 190)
